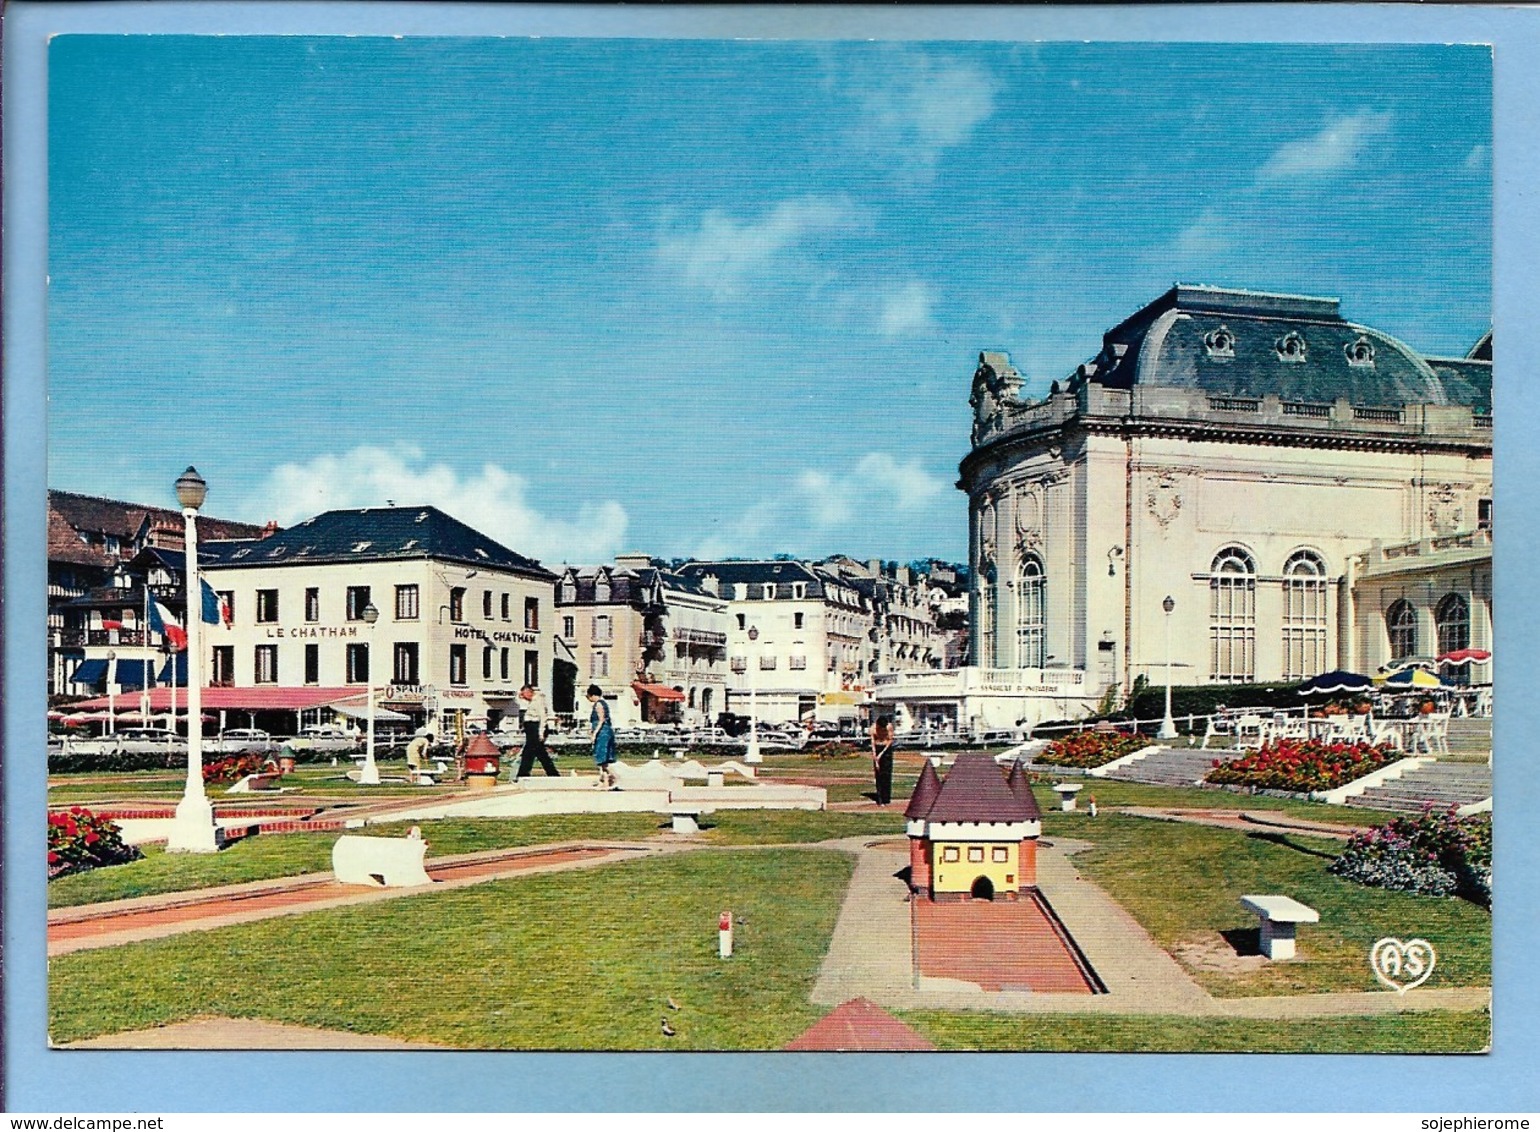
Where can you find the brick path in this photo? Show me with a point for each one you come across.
(996, 945)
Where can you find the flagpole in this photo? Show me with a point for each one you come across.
(149, 664)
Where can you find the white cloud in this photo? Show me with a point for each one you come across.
(907, 311)
(1337, 146)
(1209, 235)
(842, 509)
(494, 500)
(724, 254)
(921, 107)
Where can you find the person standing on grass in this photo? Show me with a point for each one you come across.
(605, 753)
(416, 749)
(536, 722)
(882, 758)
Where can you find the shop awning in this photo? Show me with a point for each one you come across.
(178, 665)
(131, 673)
(659, 691)
(90, 672)
(267, 697)
(361, 711)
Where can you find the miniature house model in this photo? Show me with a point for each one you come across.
(973, 835)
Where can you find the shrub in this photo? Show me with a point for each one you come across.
(1435, 854)
(79, 840)
(1303, 765)
(232, 769)
(1090, 748)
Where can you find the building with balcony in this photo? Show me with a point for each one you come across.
(102, 553)
(1233, 451)
(463, 621)
(799, 638)
(653, 640)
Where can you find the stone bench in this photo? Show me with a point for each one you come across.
(380, 862)
(685, 815)
(1280, 915)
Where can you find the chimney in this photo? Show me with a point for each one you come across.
(632, 561)
(874, 565)
(708, 583)
(270, 529)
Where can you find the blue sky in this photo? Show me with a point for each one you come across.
(692, 298)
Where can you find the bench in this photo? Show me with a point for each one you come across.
(380, 862)
(1280, 915)
(685, 815)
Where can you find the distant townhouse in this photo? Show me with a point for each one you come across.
(102, 553)
(798, 638)
(462, 621)
(654, 641)
(903, 636)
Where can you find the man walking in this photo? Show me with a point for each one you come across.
(536, 720)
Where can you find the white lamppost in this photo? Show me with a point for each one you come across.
(370, 774)
(112, 692)
(193, 829)
(753, 755)
(1168, 725)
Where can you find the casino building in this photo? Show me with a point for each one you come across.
(463, 621)
(1252, 457)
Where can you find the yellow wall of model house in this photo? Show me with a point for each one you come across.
(958, 875)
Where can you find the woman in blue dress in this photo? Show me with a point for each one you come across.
(604, 738)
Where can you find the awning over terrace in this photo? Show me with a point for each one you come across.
(244, 699)
(659, 691)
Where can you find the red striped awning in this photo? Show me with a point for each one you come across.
(659, 691)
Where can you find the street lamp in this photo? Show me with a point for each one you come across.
(370, 774)
(752, 755)
(112, 695)
(1168, 725)
(193, 829)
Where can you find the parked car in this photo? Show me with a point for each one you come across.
(326, 737)
(242, 739)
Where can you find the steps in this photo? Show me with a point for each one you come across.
(1172, 766)
(1442, 783)
(1470, 739)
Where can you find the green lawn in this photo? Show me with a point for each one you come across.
(1111, 792)
(1183, 883)
(289, 854)
(1431, 1032)
(761, 827)
(577, 960)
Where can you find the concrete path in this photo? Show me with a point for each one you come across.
(870, 956)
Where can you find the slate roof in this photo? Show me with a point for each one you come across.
(975, 790)
(925, 791)
(71, 514)
(374, 534)
(782, 574)
(626, 582)
(1171, 343)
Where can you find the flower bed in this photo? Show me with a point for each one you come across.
(232, 769)
(1303, 765)
(1435, 854)
(1088, 749)
(79, 840)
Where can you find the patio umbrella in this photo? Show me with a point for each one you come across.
(1410, 678)
(1334, 683)
(1464, 656)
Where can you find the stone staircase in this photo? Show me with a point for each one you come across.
(1172, 766)
(1443, 783)
(1470, 740)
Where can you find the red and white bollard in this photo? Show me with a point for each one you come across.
(725, 935)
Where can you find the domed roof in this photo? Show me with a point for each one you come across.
(1246, 343)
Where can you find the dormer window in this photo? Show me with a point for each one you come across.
(1220, 343)
(1291, 347)
(1360, 352)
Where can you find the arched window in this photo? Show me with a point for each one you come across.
(1452, 619)
(1030, 606)
(1304, 616)
(1233, 617)
(1401, 623)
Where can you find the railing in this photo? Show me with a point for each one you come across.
(1306, 409)
(1235, 404)
(115, 637)
(1378, 416)
(69, 638)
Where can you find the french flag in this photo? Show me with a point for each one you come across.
(162, 622)
(215, 608)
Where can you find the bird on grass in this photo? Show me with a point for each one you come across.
(672, 1005)
(668, 1031)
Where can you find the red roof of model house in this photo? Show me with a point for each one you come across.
(859, 1025)
(976, 790)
